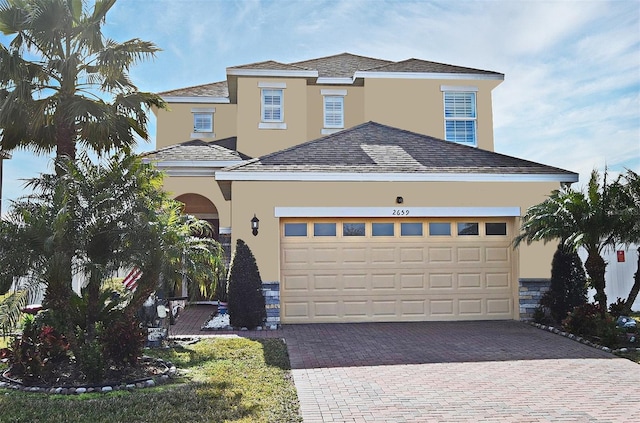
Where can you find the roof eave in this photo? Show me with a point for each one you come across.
(273, 73)
(196, 99)
(428, 75)
(238, 175)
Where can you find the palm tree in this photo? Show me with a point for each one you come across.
(628, 206)
(55, 72)
(577, 219)
(53, 77)
(118, 217)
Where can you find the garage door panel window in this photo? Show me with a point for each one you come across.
(382, 229)
(467, 229)
(295, 229)
(411, 229)
(324, 229)
(495, 229)
(353, 229)
(440, 228)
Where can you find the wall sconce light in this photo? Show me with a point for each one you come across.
(399, 200)
(255, 225)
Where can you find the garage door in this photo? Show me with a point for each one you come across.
(358, 270)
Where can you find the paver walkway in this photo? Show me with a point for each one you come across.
(455, 372)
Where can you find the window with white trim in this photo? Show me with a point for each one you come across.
(272, 105)
(333, 108)
(202, 123)
(333, 111)
(460, 117)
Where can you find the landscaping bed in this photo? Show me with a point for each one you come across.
(218, 380)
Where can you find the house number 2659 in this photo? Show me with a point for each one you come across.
(400, 212)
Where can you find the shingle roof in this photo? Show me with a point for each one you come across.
(375, 148)
(216, 89)
(423, 66)
(341, 65)
(198, 150)
(270, 65)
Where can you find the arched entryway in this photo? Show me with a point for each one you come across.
(202, 208)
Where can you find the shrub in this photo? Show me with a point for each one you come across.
(589, 321)
(617, 309)
(122, 339)
(568, 287)
(38, 351)
(91, 361)
(246, 301)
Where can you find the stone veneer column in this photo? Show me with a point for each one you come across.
(271, 292)
(531, 291)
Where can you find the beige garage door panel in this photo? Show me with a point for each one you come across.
(357, 279)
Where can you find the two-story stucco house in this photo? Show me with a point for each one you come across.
(377, 189)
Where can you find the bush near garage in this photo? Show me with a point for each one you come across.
(246, 301)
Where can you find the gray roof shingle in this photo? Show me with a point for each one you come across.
(216, 89)
(198, 150)
(375, 148)
(423, 66)
(343, 65)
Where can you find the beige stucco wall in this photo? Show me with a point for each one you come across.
(175, 125)
(417, 105)
(251, 197)
(257, 142)
(205, 186)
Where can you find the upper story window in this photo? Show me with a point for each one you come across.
(202, 123)
(333, 110)
(272, 105)
(460, 114)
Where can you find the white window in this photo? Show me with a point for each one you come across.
(333, 110)
(460, 117)
(202, 123)
(272, 105)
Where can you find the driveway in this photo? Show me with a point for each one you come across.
(503, 371)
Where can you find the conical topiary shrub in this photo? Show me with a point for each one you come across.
(246, 302)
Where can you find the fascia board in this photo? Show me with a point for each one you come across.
(196, 99)
(426, 75)
(196, 163)
(334, 81)
(391, 177)
(280, 212)
(273, 72)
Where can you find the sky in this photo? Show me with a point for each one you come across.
(570, 98)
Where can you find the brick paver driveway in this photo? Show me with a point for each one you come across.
(456, 372)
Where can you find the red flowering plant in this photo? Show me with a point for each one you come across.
(37, 352)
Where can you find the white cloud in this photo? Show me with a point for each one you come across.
(571, 95)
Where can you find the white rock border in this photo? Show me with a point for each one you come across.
(170, 372)
(581, 339)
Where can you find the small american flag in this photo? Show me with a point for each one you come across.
(131, 280)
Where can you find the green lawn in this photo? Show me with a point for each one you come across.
(221, 380)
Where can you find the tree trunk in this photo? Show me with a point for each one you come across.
(93, 306)
(634, 289)
(596, 267)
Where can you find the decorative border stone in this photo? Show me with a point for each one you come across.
(581, 339)
(169, 372)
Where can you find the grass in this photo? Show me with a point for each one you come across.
(221, 380)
